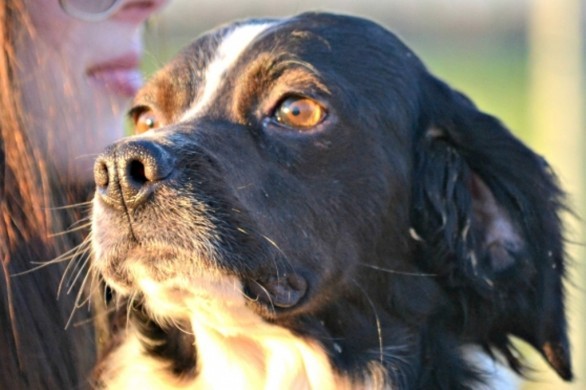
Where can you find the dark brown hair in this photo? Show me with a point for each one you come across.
(37, 348)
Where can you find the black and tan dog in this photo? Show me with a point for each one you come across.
(309, 208)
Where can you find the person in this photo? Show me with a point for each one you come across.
(67, 71)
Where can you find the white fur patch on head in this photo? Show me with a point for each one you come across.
(227, 53)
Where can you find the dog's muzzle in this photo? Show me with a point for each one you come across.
(127, 172)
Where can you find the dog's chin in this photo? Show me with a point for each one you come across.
(176, 283)
(215, 300)
(215, 296)
(158, 271)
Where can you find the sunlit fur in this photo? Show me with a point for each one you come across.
(237, 349)
(375, 249)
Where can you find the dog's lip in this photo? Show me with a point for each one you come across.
(119, 75)
(283, 292)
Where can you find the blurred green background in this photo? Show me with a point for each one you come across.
(521, 60)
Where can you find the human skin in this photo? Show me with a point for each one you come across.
(78, 78)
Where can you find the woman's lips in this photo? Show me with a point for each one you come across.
(137, 11)
(119, 76)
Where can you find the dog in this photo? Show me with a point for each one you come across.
(306, 206)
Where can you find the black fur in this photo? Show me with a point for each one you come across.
(406, 225)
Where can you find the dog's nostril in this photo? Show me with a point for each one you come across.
(137, 172)
(101, 175)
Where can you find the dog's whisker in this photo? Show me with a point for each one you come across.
(130, 307)
(72, 206)
(94, 317)
(249, 298)
(86, 221)
(270, 298)
(91, 289)
(74, 268)
(82, 250)
(95, 278)
(71, 273)
(80, 271)
(71, 229)
(119, 300)
(179, 326)
(284, 257)
(273, 243)
(396, 272)
(87, 156)
(38, 267)
(77, 301)
(69, 255)
(377, 319)
(83, 289)
(243, 188)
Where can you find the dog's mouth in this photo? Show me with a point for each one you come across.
(191, 234)
(174, 280)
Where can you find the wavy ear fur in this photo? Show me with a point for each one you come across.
(486, 211)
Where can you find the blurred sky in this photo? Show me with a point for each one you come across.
(520, 60)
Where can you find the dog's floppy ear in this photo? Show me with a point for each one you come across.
(486, 217)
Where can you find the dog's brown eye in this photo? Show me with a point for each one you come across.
(300, 113)
(145, 121)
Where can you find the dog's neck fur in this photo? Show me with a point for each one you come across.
(257, 355)
(262, 356)
(235, 349)
(212, 339)
(265, 357)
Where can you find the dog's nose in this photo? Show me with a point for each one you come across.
(126, 173)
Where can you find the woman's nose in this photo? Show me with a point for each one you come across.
(137, 11)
